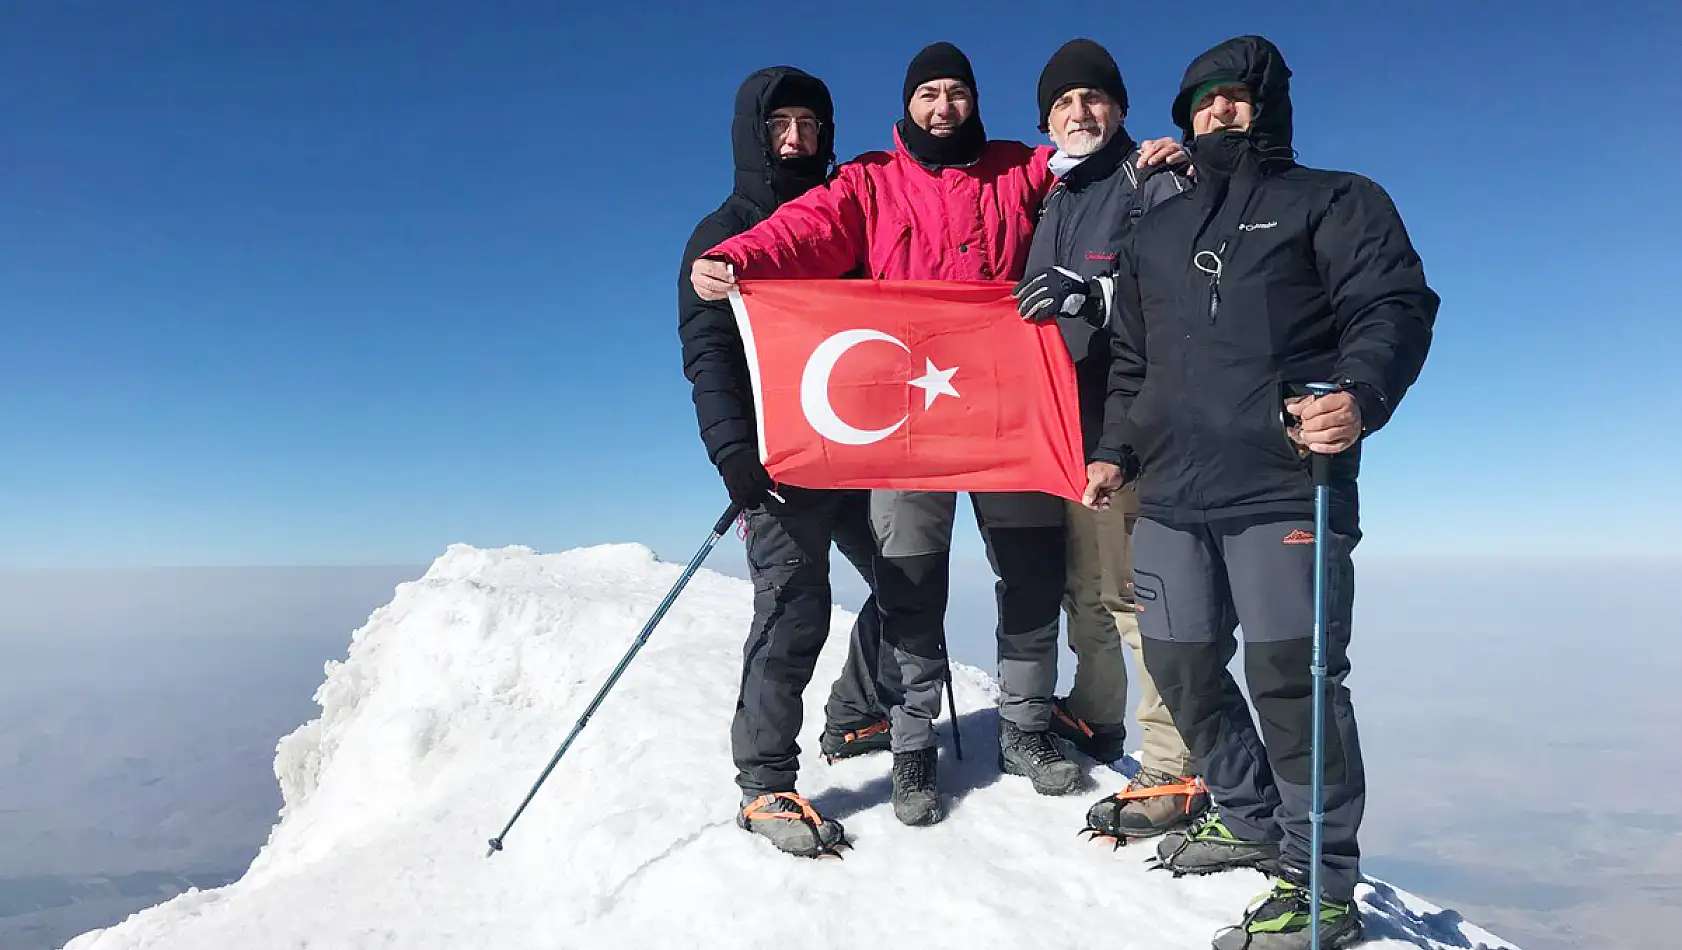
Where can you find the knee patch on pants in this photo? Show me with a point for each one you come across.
(1281, 687)
(1030, 563)
(911, 600)
(1188, 675)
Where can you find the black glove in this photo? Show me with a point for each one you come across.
(745, 479)
(1060, 292)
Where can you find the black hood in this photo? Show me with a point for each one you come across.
(1257, 63)
(760, 178)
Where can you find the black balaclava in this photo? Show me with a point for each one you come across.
(942, 61)
(793, 177)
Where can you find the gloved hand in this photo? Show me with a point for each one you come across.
(745, 479)
(1060, 292)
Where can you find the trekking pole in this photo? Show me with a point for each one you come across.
(1321, 468)
(952, 707)
(719, 528)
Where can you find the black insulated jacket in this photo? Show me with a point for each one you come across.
(1266, 276)
(713, 358)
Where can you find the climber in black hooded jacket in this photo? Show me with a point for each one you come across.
(1228, 299)
(779, 155)
(1268, 276)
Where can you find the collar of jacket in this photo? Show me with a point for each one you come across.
(1097, 166)
(935, 167)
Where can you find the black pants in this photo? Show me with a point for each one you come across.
(1195, 584)
(788, 561)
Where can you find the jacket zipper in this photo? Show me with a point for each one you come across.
(1215, 283)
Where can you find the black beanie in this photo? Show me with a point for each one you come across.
(938, 61)
(801, 90)
(1079, 64)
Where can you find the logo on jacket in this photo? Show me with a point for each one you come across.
(1258, 227)
(1098, 256)
(1299, 536)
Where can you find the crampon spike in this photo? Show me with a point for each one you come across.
(1098, 834)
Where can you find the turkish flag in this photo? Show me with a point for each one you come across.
(932, 385)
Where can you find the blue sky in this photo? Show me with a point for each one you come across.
(332, 283)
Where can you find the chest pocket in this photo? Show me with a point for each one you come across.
(890, 253)
(1267, 277)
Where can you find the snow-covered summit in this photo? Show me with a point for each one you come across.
(454, 695)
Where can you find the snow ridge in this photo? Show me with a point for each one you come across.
(453, 696)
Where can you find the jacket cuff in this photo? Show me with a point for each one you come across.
(1375, 411)
(1124, 458)
(734, 448)
(722, 257)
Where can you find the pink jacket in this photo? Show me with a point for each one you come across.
(903, 221)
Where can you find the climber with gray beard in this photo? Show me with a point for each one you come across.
(1102, 190)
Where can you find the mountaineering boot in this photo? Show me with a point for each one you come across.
(792, 824)
(1034, 754)
(1152, 804)
(844, 742)
(916, 799)
(1279, 920)
(1207, 847)
(1104, 743)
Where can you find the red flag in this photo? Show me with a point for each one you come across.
(932, 385)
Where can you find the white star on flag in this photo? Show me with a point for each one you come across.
(934, 383)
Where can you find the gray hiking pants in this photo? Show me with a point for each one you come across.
(788, 561)
(1023, 533)
(869, 682)
(1196, 583)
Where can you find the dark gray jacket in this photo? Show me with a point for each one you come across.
(1083, 222)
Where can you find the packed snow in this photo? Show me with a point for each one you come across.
(453, 697)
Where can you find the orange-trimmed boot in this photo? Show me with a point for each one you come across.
(1103, 742)
(1153, 803)
(792, 824)
(845, 742)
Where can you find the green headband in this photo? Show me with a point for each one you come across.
(1203, 90)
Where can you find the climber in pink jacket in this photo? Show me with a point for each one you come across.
(944, 204)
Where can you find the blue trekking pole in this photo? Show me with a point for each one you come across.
(719, 528)
(1321, 467)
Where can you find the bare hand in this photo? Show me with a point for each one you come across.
(1103, 480)
(711, 279)
(1162, 150)
(1330, 423)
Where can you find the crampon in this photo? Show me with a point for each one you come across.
(826, 839)
(860, 741)
(1114, 833)
(1209, 848)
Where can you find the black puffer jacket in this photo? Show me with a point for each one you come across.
(1266, 276)
(713, 358)
(1082, 225)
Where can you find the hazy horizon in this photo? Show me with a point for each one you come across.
(142, 705)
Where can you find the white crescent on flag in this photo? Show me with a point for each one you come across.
(815, 375)
(814, 389)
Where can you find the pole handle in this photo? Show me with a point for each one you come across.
(1320, 466)
(730, 514)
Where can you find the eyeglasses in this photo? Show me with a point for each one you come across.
(779, 125)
